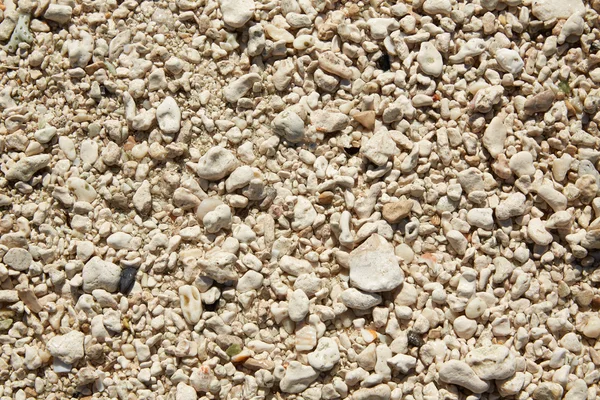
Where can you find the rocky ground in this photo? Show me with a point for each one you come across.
(299, 199)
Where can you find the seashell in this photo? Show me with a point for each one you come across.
(191, 303)
(509, 60)
(306, 338)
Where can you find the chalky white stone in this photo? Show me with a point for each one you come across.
(216, 164)
(68, 348)
(325, 356)
(168, 116)
(430, 60)
(18, 259)
(191, 303)
(509, 60)
(297, 377)
(355, 299)
(236, 13)
(492, 362)
(298, 305)
(24, 169)
(459, 373)
(545, 10)
(374, 267)
(100, 274)
(495, 136)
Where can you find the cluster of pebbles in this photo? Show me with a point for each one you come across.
(299, 199)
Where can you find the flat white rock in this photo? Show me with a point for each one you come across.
(492, 362)
(374, 267)
(297, 377)
(68, 348)
(216, 164)
(358, 300)
(237, 12)
(509, 60)
(325, 356)
(459, 373)
(545, 10)
(100, 274)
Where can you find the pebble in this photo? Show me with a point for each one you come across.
(513, 206)
(459, 373)
(495, 136)
(540, 102)
(191, 303)
(591, 329)
(548, 391)
(331, 63)
(379, 148)
(58, 13)
(358, 300)
(464, 327)
(429, 58)
(100, 274)
(328, 121)
(68, 348)
(271, 172)
(509, 60)
(375, 254)
(239, 87)
(289, 125)
(493, 362)
(45, 135)
(402, 363)
(127, 280)
(379, 392)
(220, 267)
(481, 217)
(521, 164)
(236, 13)
(297, 377)
(546, 10)
(168, 116)
(18, 259)
(216, 164)
(536, 230)
(119, 240)
(395, 212)
(475, 308)
(24, 169)
(325, 356)
(298, 306)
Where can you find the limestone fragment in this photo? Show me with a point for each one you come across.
(374, 267)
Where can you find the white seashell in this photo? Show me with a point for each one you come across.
(191, 303)
(306, 338)
(509, 60)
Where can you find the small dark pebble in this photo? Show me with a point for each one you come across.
(383, 62)
(414, 339)
(352, 150)
(127, 279)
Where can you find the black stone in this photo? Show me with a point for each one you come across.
(383, 62)
(127, 279)
(414, 339)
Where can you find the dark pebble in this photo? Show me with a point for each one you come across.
(414, 339)
(127, 279)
